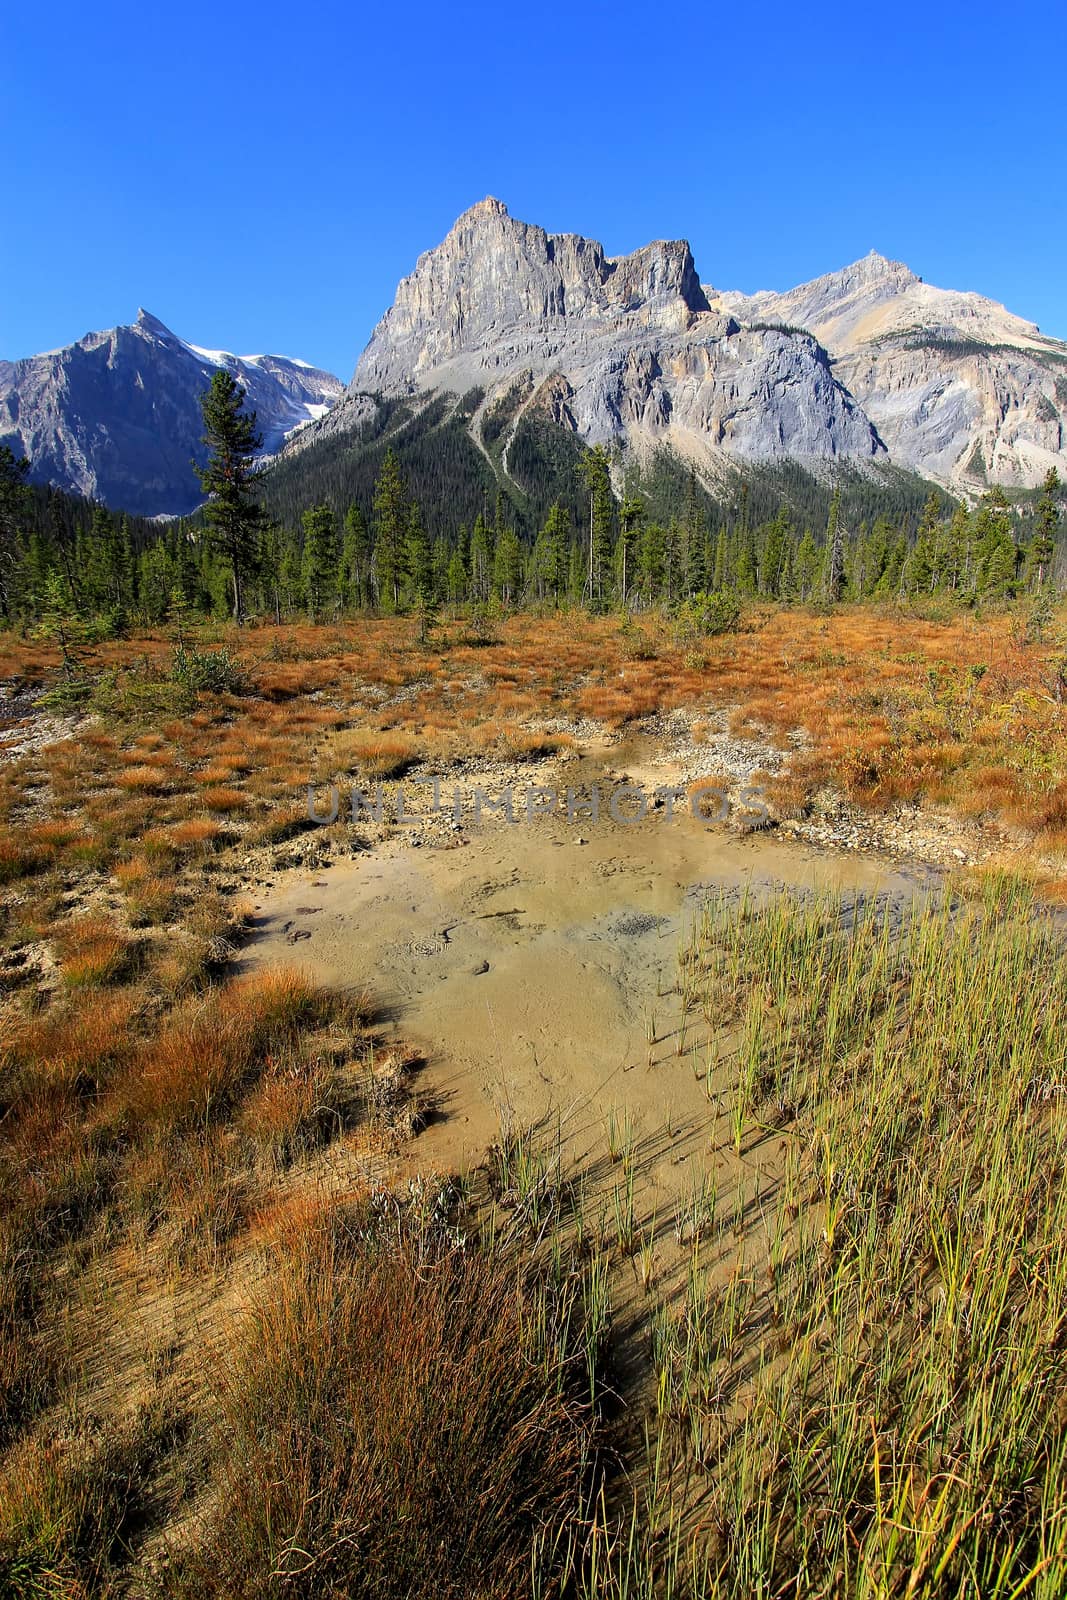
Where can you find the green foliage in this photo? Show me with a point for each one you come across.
(210, 671)
(233, 516)
(703, 615)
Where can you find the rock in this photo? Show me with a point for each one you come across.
(958, 387)
(621, 348)
(116, 416)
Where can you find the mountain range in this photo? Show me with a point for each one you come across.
(507, 323)
(116, 416)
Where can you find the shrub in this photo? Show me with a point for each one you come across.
(208, 671)
(707, 614)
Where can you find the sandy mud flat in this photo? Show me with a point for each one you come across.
(535, 965)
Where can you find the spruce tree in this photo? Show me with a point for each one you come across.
(14, 471)
(418, 560)
(355, 561)
(593, 468)
(320, 561)
(1043, 545)
(480, 561)
(835, 552)
(392, 521)
(507, 566)
(232, 515)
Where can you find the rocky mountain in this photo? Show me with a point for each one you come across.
(613, 348)
(544, 334)
(116, 416)
(958, 387)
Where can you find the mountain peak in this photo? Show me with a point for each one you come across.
(489, 207)
(147, 323)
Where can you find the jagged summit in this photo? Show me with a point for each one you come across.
(958, 387)
(116, 415)
(147, 323)
(627, 347)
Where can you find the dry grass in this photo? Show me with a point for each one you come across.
(195, 1069)
(386, 1427)
(93, 951)
(162, 1128)
(374, 753)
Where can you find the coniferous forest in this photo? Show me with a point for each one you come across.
(416, 515)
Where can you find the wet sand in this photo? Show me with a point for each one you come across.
(530, 969)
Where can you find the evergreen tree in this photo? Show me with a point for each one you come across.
(481, 561)
(834, 575)
(232, 515)
(441, 557)
(807, 566)
(630, 514)
(418, 560)
(14, 471)
(354, 582)
(651, 561)
(392, 524)
(507, 567)
(270, 556)
(996, 554)
(290, 573)
(558, 535)
(1043, 545)
(692, 573)
(595, 475)
(321, 567)
(456, 582)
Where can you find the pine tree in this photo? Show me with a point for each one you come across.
(60, 622)
(507, 566)
(630, 513)
(270, 551)
(806, 566)
(692, 575)
(480, 561)
(290, 573)
(835, 552)
(392, 521)
(14, 471)
(456, 582)
(418, 560)
(320, 561)
(1043, 544)
(997, 556)
(232, 515)
(651, 561)
(594, 472)
(354, 584)
(558, 535)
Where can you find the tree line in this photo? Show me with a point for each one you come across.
(610, 552)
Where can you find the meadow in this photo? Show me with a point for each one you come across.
(238, 1355)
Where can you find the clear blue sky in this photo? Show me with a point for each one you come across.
(260, 176)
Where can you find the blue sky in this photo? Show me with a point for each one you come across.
(260, 177)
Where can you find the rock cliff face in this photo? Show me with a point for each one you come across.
(117, 415)
(616, 348)
(865, 365)
(958, 387)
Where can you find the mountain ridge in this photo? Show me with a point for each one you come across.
(115, 416)
(863, 365)
(628, 347)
